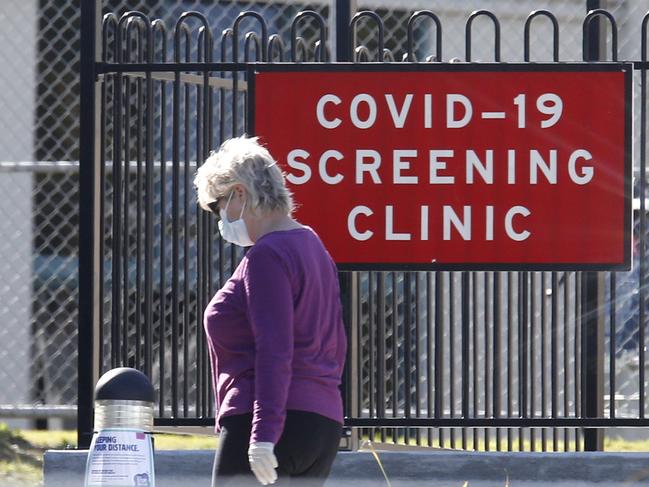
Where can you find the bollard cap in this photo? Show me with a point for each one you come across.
(124, 384)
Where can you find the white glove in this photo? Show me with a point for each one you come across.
(263, 462)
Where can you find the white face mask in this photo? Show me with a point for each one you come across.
(235, 231)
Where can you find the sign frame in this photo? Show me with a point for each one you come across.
(625, 67)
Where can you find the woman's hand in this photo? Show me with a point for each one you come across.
(263, 462)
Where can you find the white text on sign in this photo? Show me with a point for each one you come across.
(364, 109)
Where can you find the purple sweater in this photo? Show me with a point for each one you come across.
(276, 334)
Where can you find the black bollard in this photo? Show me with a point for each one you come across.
(121, 452)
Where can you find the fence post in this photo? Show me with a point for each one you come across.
(592, 322)
(344, 10)
(348, 280)
(89, 230)
(350, 385)
(592, 317)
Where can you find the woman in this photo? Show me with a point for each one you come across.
(275, 332)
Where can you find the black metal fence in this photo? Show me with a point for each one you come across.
(490, 360)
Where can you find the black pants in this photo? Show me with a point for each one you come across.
(305, 451)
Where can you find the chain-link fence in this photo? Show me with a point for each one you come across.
(39, 121)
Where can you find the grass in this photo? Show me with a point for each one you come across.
(20, 461)
(61, 440)
(610, 445)
(14, 473)
(626, 446)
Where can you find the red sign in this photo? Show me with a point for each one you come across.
(456, 167)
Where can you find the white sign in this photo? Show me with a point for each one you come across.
(120, 458)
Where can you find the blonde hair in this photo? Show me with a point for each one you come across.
(243, 160)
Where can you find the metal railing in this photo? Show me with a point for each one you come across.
(497, 360)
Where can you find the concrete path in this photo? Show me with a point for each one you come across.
(65, 468)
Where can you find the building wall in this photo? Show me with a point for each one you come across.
(17, 100)
(18, 79)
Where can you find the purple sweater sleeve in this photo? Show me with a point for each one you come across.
(270, 311)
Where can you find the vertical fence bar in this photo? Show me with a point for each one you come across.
(416, 373)
(380, 349)
(643, 213)
(108, 21)
(612, 350)
(395, 353)
(510, 356)
(209, 258)
(532, 355)
(523, 283)
(466, 348)
(577, 354)
(350, 384)
(134, 89)
(89, 231)
(475, 386)
(102, 211)
(203, 138)
(488, 349)
(139, 108)
(554, 358)
(116, 239)
(372, 359)
(235, 58)
(344, 11)
(358, 365)
(225, 35)
(544, 358)
(593, 283)
(162, 319)
(185, 237)
(201, 124)
(438, 352)
(148, 216)
(117, 294)
(126, 100)
(451, 348)
(566, 354)
(180, 29)
(497, 353)
(407, 335)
